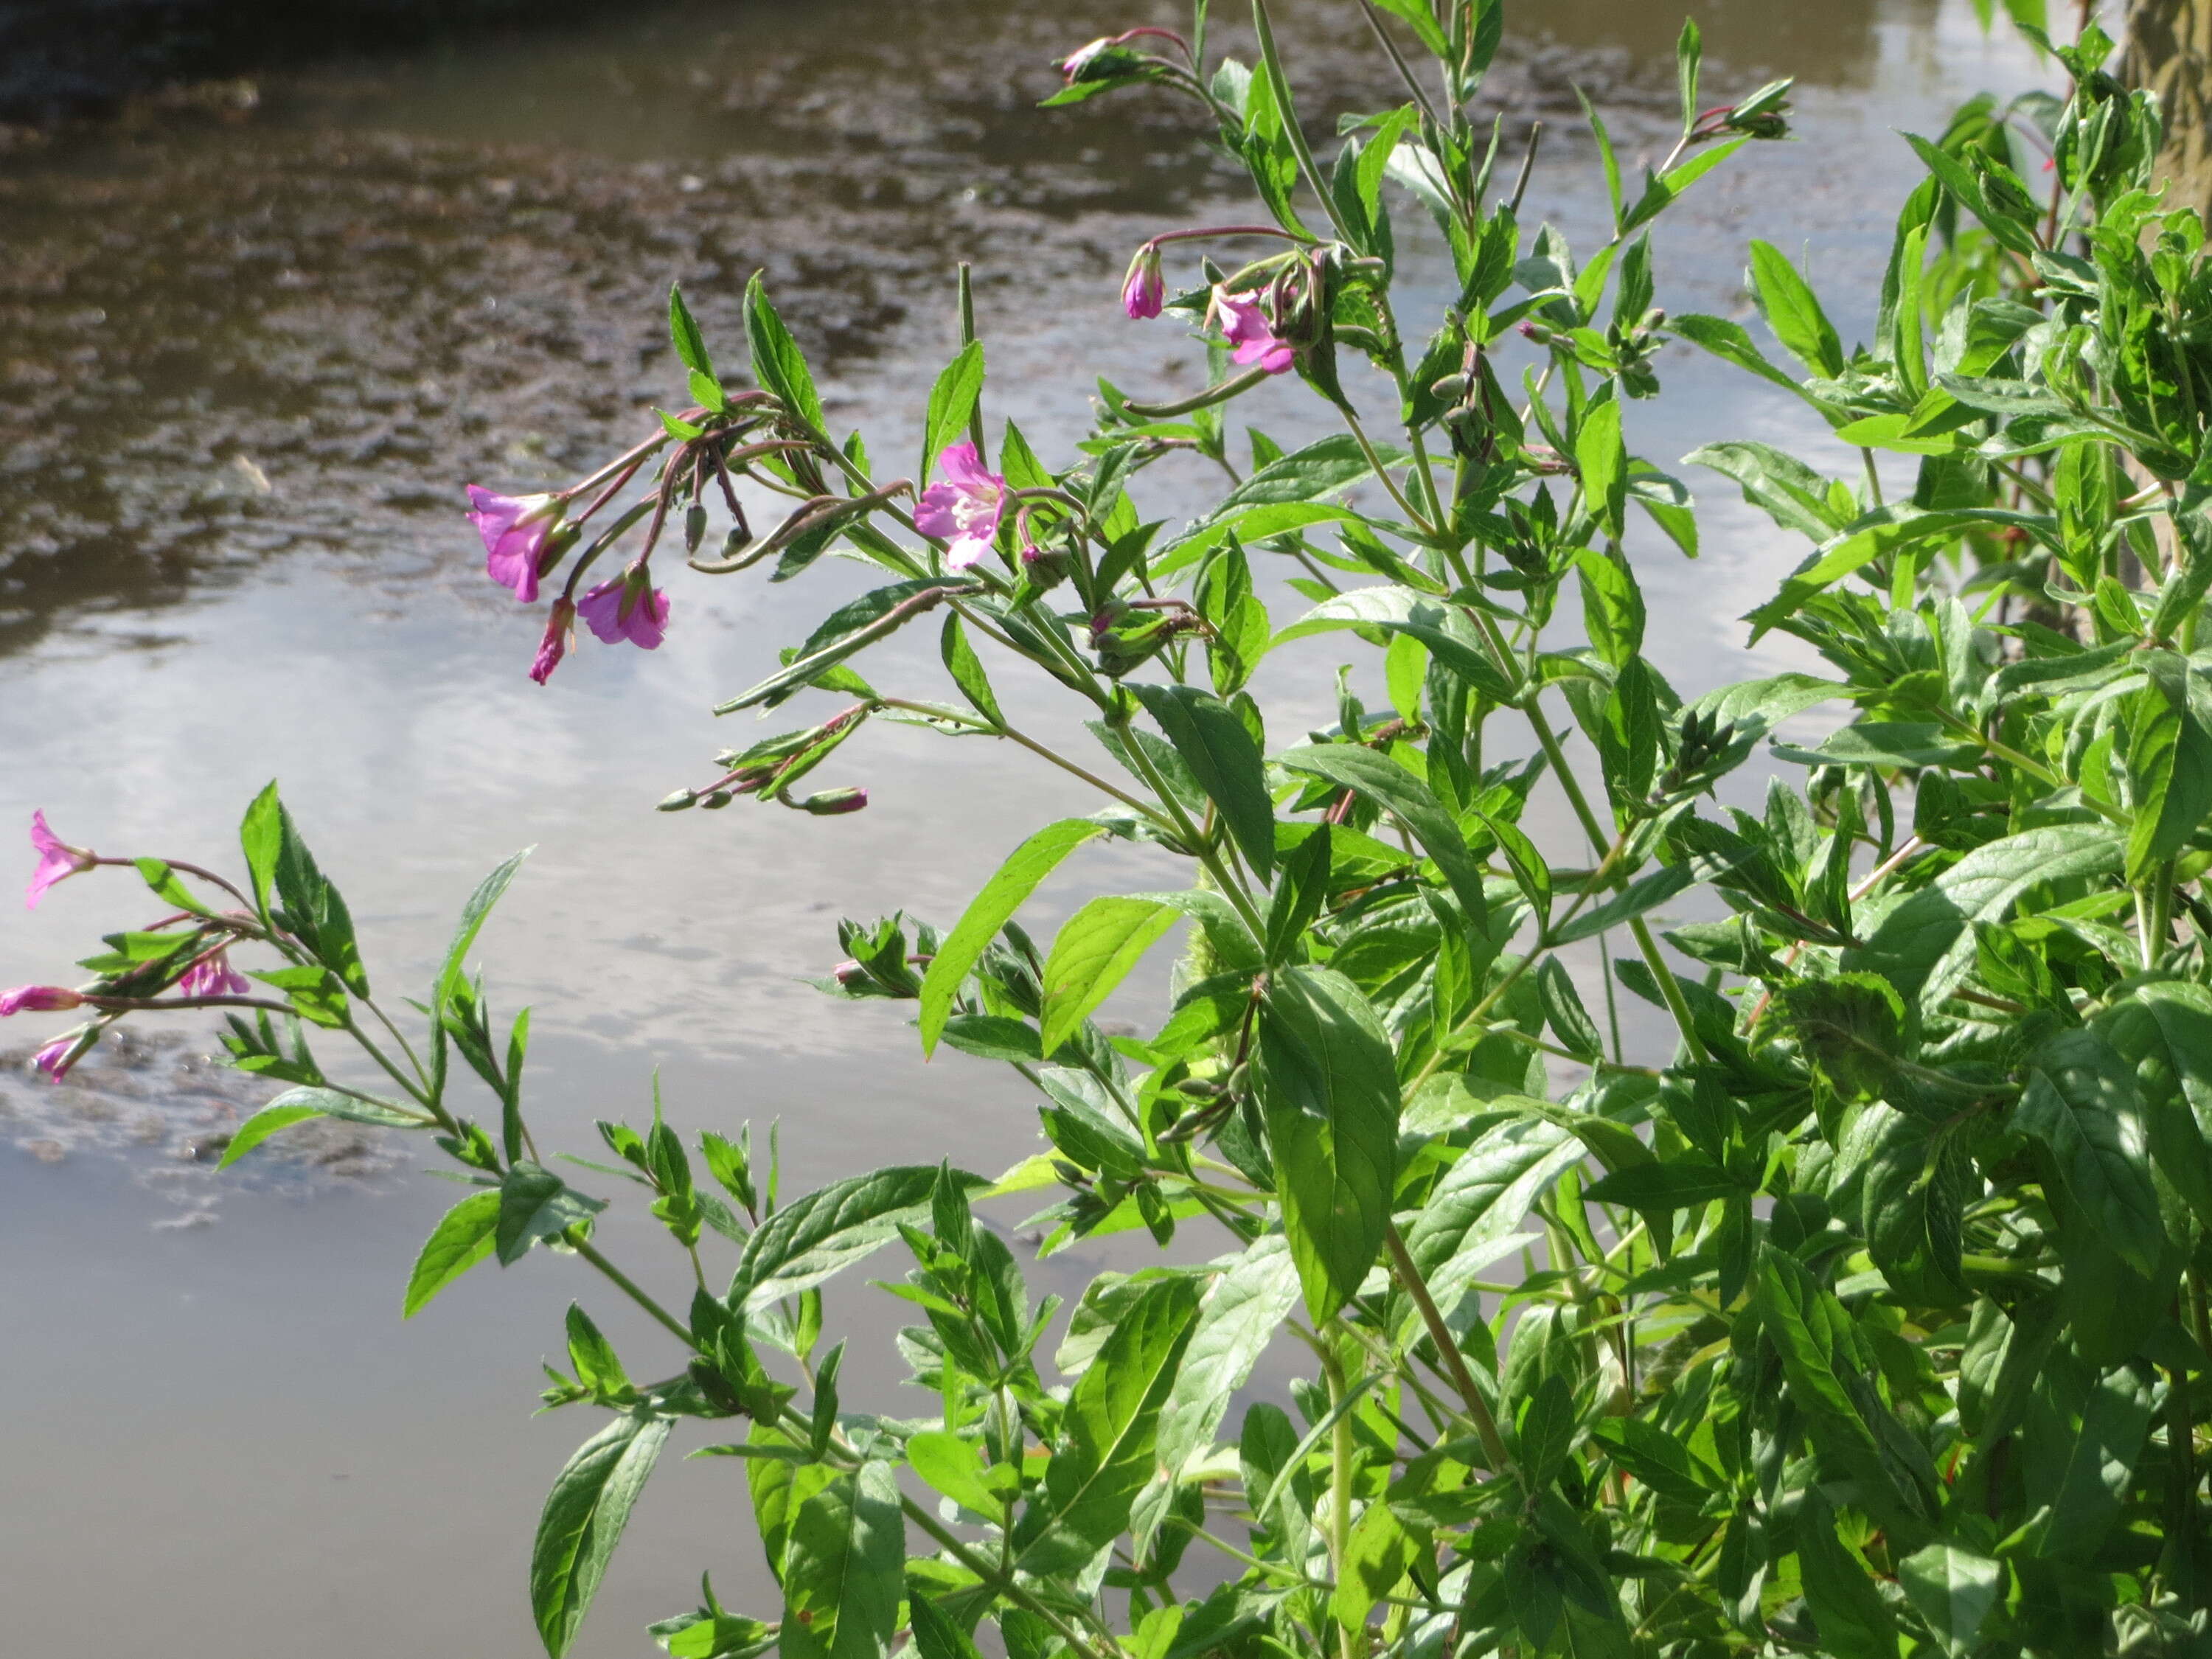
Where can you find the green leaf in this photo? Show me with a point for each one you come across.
(2164, 1031)
(261, 837)
(1688, 1182)
(851, 629)
(1475, 1208)
(1603, 464)
(314, 909)
(777, 364)
(1111, 1426)
(583, 1521)
(952, 403)
(935, 1636)
(967, 670)
(826, 1232)
(473, 915)
(1375, 1556)
(261, 1125)
(1731, 341)
(1656, 1458)
(1328, 1083)
(1644, 894)
(2169, 769)
(1787, 302)
(2081, 1102)
(1792, 492)
(1953, 1589)
(844, 1569)
(1092, 953)
(1243, 1310)
(1393, 788)
(534, 1203)
(1854, 1622)
(1925, 946)
(990, 910)
(1613, 605)
(1410, 614)
(954, 1467)
(462, 1238)
(167, 887)
(1227, 763)
(691, 344)
(354, 1109)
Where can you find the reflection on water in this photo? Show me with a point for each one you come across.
(247, 359)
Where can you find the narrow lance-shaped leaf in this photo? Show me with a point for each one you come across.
(1092, 953)
(1227, 763)
(1328, 1084)
(583, 1521)
(1395, 789)
(990, 910)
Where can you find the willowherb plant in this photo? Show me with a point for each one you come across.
(1870, 1321)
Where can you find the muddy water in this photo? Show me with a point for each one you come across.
(249, 350)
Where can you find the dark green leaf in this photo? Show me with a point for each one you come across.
(1227, 763)
(583, 1521)
(990, 910)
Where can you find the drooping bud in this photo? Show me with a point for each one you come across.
(38, 999)
(834, 802)
(676, 800)
(1144, 289)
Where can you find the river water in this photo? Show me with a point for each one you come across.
(252, 343)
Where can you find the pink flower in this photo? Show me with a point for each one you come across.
(64, 1052)
(1144, 289)
(37, 999)
(515, 529)
(963, 511)
(559, 627)
(1244, 324)
(58, 860)
(213, 976)
(629, 607)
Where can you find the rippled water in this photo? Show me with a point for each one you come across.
(248, 355)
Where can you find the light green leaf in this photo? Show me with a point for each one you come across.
(1328, 1084)
(462, 1238)
(261, 1125)
(990, 910)
(813, 1237)
(844, 1569)
(583, 1521)
(1111, 1426)
(473, 915)
(2081, 1102)
(1092, 953)
(952, 402)
(1787, 302)
(1243, 1310)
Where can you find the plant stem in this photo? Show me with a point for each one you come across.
(628, 1286)
(1485, 1425)
(1669, 987)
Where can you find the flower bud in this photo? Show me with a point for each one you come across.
(1046, 567)
(676, 800)
(714, 800)
(38, 999)
(833, 803)
(1144, 289)
(695, 527)
(849, 975)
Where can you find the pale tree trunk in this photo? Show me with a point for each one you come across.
(2169, 52)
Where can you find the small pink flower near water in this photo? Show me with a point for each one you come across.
(515, 529)
(64, 1052)
(37, 999)
(58, 860)
(214, 978)
(1143, 290)
(629, 607)
(1243, 323)
(963, 510)
(554, 645)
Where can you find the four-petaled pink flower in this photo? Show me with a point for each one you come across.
(64, 1052)
(629, 607)
(963, 511)
(515, 529)
(1144, 289)
(554, 645)
(58, 860)
(1243, 323)
(213, 976)
(38, 999)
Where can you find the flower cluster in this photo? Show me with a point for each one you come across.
(524, 537)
